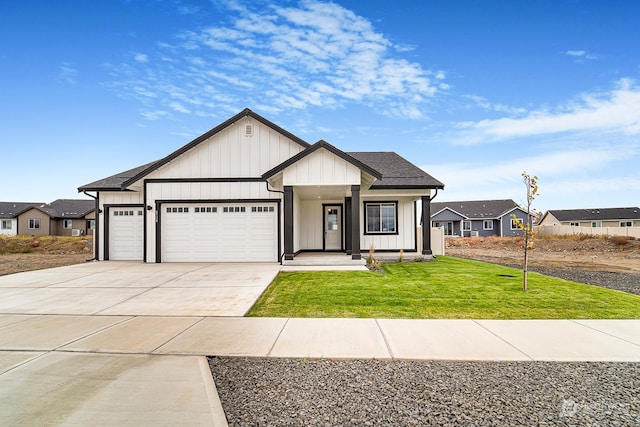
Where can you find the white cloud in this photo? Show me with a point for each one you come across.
(314, 53)
(141, 57)
(576, 53)
(67, 73)
(614, 111)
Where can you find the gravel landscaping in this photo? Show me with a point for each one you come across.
(287, 392)
(625, 282)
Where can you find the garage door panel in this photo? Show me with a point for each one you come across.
(219, 232)
(126, 234)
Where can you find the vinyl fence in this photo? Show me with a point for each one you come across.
(564, 230)
(437, 240)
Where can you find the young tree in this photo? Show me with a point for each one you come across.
(531, 183)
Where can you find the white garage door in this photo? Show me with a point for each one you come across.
(125, 234)
(215, 232)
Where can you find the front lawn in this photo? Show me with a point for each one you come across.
(446, 288)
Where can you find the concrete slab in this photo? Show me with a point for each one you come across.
(40, 278)
(137, 335)
(331, 338)
(51, 332)
(628, 330)
(233, 336)
(562, 340)
(110, 390)
(235, 301)
(11, 359)
(7, 319)
(324, 268)
(80, 301)
(120, 279)
(445, 340)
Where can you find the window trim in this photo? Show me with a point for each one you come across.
(466, 223)
(395, 218)
(33, 224)
(513, 222)
(65, 222)
(574, 224)
(484, 224)
(6, 224)
(596, 224)
(627, 223)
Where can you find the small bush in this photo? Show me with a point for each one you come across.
(621, 240)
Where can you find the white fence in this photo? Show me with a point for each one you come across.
(437, 240)
(563, 230)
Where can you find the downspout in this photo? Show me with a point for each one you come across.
(96, 231)
(279, 222)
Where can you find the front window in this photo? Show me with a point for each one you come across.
(575, 224)
(626, 223)
(67, 224)
(487, 224)
(6, 224)
(34, 223)
(447, 226)
(381, 217)
(596, 224)
(91, 224)
(466, 225)
(516, 223)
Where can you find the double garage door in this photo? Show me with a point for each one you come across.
(218, 232)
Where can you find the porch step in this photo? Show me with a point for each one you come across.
(321, 259)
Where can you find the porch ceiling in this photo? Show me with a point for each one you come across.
(322, 192)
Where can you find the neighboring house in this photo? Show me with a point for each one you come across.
(9, 212)
(478, 218)
(607, 217)
(248, 190)
(63, 217)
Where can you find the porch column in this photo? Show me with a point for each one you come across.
(355, 222)
(426, 225)
(288, 222)
(347, 225)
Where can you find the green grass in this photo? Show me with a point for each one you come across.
(446, 288)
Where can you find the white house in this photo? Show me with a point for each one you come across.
(248, 190)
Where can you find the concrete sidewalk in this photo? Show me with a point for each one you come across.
(151, 370)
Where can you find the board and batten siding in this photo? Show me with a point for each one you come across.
(231, 154)
(321, 168)
(406, 237)
(114, 198)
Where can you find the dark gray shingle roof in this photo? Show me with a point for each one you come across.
(114, 182)
(12, 209)
(397, 172)
(473, 209)
(605, 214)
(70, 208)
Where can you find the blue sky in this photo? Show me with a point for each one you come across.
(473, 92)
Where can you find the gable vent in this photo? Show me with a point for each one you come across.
(248, 129)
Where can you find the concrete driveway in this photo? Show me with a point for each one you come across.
(137, 289)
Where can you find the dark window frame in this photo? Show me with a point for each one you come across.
(380, 203)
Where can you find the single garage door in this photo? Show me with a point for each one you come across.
(217, 232)
(125, 233)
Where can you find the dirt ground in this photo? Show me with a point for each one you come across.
(581, 252)
(26, 253)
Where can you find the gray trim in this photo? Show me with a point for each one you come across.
(322, 144)
(288, 222)
(355, 222)
(426, 225)
(379, 233)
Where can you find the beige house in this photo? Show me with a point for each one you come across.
(595, 218)
(249, 190)
(63, 217)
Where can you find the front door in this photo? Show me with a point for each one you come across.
(332, 228)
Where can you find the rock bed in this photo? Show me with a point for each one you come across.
(288, 392)
(625, 282)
